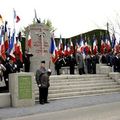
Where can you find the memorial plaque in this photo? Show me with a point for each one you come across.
(24, 87)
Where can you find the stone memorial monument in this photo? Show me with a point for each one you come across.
(41, 38)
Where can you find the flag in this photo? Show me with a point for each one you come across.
(71, 47)
(95, 47)
(12, 43)
(113, 40)
(9, 41)
(29, 41)
(81, 44)
(1, 18)
(86, 48)
(2, 48)
(60, 47)
(117, 49)
(102, 47)
(53, 50)
(16, 17)
(77, 46)
(6, 37)
(108, 45)
(18, 49)
(89, 45)
(65, 50)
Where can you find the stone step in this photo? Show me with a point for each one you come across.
(82, 93)
(79, 79)
(78, 85)
(52, 87)
(77, 89)
(59, 77)
(81, 82)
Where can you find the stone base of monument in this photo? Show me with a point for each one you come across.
(4, 100)
(105, 69)
(98, 70)
(21, 87)
(66, 70)
(115, 76)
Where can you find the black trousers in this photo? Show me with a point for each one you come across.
(81, 71)
(43, 95)
(72, 69)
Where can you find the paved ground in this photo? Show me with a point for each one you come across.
(58, 105)
(108, 111)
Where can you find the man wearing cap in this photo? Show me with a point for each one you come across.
(44, 87)
(11, 67)
(39, 79)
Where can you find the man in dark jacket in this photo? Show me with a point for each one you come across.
(11, 67)
(44, 85)
(80, 62)
(26, 59)
(39, 73)
(19, 63)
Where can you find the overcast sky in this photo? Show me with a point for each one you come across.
(69, 17)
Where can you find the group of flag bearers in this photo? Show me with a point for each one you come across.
(85, 54)
(12, 58)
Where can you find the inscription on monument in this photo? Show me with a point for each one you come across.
(24, 87)
(40, 43)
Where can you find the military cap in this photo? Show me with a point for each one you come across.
(43, 61)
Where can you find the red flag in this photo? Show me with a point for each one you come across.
(87, 48)
(17, 19)
(29, 41)
(6, 37)
(65, 51)
(82, 45)
(102, 48)
(95, 47)
(108, 46)
(2, 49)
(60, 47)
(71, 47)
(18, 50)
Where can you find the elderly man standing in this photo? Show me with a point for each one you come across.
(42, 79)
(80, 62)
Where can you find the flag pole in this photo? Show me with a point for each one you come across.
(49, 63)
(14, 15)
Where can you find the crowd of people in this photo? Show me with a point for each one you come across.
(11, 65)
(87, 63)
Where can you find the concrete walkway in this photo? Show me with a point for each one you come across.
(109, 111)
(59, 105)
